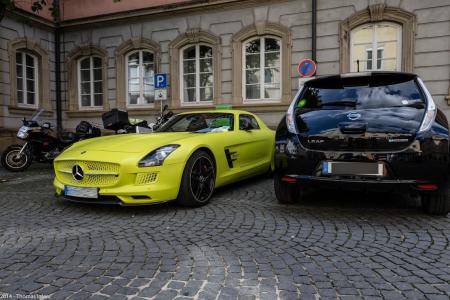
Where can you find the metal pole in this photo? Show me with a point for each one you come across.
(313, 30)
(58, 99)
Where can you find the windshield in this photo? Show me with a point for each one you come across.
(362, 96)
(199, 123)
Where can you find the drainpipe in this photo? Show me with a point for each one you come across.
(313, 30)
(56, 8)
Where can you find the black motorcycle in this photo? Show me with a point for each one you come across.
(119, 121)
(162, 118)
(40, 145)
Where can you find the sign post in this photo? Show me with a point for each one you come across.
(161, 88)
(306, 69)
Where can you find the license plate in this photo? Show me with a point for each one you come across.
(352, 168)
(81, 192)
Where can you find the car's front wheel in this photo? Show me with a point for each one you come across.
(437, 203)
(286, 192)
(198, 181)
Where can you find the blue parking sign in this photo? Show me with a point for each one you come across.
(161, 81)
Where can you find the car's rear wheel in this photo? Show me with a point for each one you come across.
(198, 181)
(437, 203)
(286, 192)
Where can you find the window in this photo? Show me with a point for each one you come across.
(199, 123)
(385, 37)
(140, 78)
(197, 78)
(248, 122)
(27, 79)
(370, 59)
(90, 82)
(262, 67)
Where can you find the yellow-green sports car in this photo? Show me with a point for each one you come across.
(191, 155)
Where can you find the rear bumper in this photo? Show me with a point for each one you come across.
(383, 185)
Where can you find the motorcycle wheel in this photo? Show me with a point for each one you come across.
(11, 162)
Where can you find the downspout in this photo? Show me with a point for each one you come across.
(57, 12)
(313, 30)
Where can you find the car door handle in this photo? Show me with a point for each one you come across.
(353, 127)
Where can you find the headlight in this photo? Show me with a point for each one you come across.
(431, 111)
(23, 132)
(157, 157)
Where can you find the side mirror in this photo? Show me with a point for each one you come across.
(165, 107)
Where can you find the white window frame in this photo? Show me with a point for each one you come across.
(375, 46)
(91, 82)
(376, 62)
(141, 99)
(24, 80)
(197, 75)
(262, 69)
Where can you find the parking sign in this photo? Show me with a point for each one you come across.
(161, 81)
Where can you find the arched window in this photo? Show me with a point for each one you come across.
(90, 82)
(380, 37)
(262, 65)
(27, 74)
(376, 46)
(140, 77)
(197, 74)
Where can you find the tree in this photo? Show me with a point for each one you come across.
(36, 6)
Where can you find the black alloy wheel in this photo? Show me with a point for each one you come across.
(197, 184)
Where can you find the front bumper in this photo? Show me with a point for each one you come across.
(129, 188)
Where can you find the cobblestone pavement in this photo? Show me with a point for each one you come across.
(242, 245)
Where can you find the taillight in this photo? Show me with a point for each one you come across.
(290, 115)
(430, 113)
(427, 187)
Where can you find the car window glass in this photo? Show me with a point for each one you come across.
(362, 97)
(247, 122)
(200, 123)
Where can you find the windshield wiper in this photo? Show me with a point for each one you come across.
(418, 105)
(339, 103)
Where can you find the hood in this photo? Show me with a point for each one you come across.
(130, 143)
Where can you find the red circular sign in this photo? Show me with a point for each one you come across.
(306, 68)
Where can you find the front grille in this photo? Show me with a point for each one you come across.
(146, 178)
(96, 174)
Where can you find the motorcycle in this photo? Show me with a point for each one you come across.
(119, 121)
(162, 118)
(40, 144)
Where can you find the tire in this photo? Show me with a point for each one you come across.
(11, 163)
(437, 203)
(286, 193)
(198, 181)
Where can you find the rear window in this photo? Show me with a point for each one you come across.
(360, 94)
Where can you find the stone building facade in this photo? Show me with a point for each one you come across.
(243, 53)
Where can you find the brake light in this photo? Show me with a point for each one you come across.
(430, 113)
(288, 179)
(427, 187)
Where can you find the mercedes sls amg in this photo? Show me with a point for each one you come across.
(185, 160)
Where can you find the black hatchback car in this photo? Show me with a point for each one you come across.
(376, 131)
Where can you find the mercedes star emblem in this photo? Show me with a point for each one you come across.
(353, 116)
(77, 173)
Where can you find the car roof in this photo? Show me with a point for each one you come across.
(355, 78)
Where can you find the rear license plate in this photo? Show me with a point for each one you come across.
(352, 168)
(81, 192)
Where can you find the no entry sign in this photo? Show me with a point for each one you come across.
(306, 68)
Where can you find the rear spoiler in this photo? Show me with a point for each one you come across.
(375, 78)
